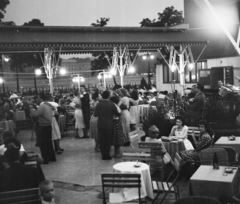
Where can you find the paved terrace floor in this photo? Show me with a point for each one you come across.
(77, 172)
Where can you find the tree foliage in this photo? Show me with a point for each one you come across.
(101, 58)
(169, 17)
(101, 23)
(7, 23)
(34, 22)
(3, 5)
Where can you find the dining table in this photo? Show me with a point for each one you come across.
(215, 183)
(225, 141)
(146, 182)
(20, 115)
(8, 126)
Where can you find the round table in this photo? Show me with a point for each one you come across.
(146, 181)
(173, 147)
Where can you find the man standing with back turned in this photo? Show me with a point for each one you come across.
(45, 114)
(105, 110)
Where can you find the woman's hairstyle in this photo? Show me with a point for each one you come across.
(114, 99)
(47, 96)
(76, 93)
(95, 96)
(134, 95)
(119, 93)
(61, 101)
(180, 118)
(124, 92)
(12, 154)
(207, 128)
(13, 140)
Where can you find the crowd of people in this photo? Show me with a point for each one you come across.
(106, 116)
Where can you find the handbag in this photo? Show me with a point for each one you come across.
(166, 158)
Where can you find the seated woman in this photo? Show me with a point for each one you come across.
(180, 132)
(203, 143)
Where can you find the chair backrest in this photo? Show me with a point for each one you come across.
(135, 154)
(156, 148)
(206, 156)
(195, 129)
(121, 180)
(177, 162)
(197, 200)
(26, 196)
(231, 152)
(136, 134)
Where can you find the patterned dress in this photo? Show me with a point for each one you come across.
(118, 134)
(193, 155)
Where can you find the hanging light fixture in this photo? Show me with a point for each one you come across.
(190, 66)
(173, 68)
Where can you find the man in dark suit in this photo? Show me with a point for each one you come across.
(105, 110)
(85, 99)
(18, 176)
(198, 100)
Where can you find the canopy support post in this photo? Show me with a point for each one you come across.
(181, 69)
(123, 56)
(48, 67)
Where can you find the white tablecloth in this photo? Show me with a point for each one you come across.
(146, 182)
(207, 181)
(225, 141)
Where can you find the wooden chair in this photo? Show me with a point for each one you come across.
(195, 129)
(33, 162)
(206, 156)
(196, 133)
(120, 180)
(26, 196)
(156, 151)
(197, 200)
(137, 154)
(169, 186)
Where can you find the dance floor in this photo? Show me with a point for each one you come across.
(77, 171)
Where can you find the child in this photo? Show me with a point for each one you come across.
(46, 189)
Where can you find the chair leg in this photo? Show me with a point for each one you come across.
(32, 136)
(156, 197)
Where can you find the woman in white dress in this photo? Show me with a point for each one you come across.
(180, 132)
(134, 111)
(79, 124)
(56, 134)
